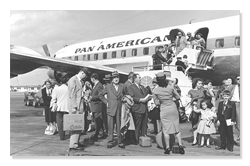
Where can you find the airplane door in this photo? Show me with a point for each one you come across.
(204, 32)
(173, 33)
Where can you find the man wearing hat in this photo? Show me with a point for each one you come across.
(115, 92)
(158, 59)
(106, 80)
(130, 135)
(180, 43)
(75, 89)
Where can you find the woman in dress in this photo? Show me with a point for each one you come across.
(197, 93)
(169, 115)
(154, 111)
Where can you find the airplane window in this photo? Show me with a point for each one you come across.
(84, 57)
(104, 55)
(114, 54)
(96, 57)
(134, 52)
(88, 57)
(145, 51)
(69, 57)
(237, 41)
(123, 53)
(219, 43)
(76, 58)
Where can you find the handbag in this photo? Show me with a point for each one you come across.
(157, 101)
(182, 114)
(193, 116)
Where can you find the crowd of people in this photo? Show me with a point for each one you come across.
(165, 54)
(123, 110)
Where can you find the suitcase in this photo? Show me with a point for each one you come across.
(145, 141)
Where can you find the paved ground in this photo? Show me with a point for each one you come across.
(27, 138)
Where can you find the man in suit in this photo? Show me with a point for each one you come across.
(106, 80)
(115, 92)
(180, 43)
(75, 89)
(130, 134)
(96, 105)
(226, 113)
(139, 110)
(235, 97)
(158, 59)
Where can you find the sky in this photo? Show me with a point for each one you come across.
(57, 28)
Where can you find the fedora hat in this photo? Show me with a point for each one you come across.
(115, 74)
(107, 77)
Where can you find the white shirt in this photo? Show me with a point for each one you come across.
(116, 87)
(138, 86)
(48, 91)
(236, 95)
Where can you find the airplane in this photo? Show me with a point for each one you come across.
(221, 56)
(24, 60)
(127, 52)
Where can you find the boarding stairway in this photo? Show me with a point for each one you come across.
(197, 59)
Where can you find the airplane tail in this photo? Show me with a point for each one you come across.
(46, 50)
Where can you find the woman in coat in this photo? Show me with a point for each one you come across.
(168, 111)
(59, 104)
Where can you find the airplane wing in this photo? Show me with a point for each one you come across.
(23, 60)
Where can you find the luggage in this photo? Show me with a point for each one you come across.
(160, 140)
(73, 122)
(176, 148)
(145, 141)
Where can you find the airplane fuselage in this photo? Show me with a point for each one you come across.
(127, 51)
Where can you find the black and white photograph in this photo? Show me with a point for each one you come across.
(152, 83)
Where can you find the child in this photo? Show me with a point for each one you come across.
(207, 116)
(226, 119)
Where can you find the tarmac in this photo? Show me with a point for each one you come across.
(27, 138)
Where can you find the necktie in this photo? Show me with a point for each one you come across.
(140, 89)
(224, 107)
